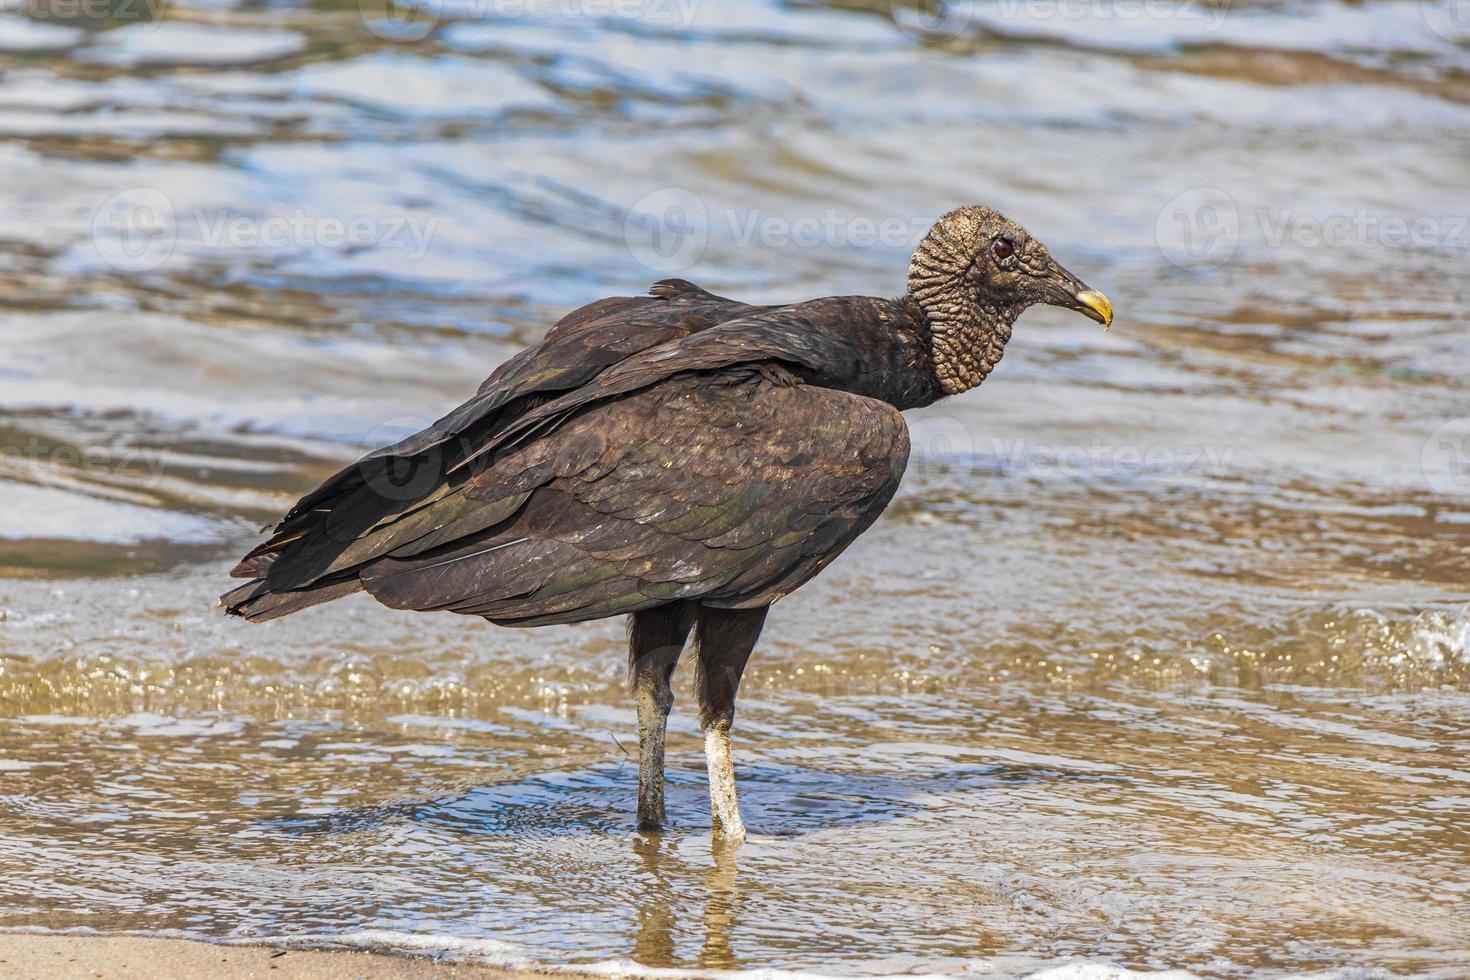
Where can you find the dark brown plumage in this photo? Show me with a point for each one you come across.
(682, 457)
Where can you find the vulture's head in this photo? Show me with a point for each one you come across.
(973, 274)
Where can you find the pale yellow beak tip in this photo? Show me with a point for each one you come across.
(1096, 306)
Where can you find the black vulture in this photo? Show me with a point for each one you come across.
(682, 458)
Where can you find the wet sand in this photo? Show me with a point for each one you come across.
(38, 957)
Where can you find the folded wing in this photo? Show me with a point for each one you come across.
(399, 479)
(695, 467)
(732, 494)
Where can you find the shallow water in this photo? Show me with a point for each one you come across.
(1161, 659)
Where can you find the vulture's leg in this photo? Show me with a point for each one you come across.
(655, 639)
(725, 638)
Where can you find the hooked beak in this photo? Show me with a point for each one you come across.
(1065, 289)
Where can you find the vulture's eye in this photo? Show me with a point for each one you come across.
(1003, 248)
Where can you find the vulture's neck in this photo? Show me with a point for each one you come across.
(967, 336)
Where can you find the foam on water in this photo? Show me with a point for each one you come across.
(508, 956)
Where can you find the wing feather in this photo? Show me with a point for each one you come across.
(803, 471)
(397, 482)
(617, 466)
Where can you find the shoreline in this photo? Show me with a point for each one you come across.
(65, 956)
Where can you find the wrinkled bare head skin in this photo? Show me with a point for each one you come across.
(973, 274)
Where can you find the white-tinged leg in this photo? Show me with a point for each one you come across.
(723, 805)
(725, 638)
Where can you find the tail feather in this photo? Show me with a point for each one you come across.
(253, 566)
(256, 602)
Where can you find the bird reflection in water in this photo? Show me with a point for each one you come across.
(654, 941)
(722, 900)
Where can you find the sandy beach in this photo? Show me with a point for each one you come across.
(40, 957)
